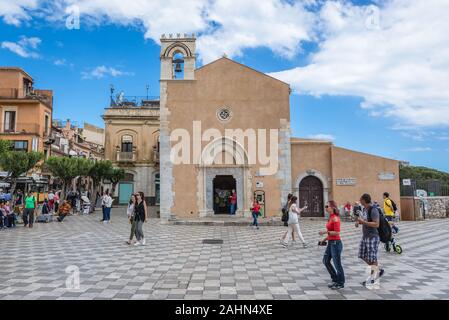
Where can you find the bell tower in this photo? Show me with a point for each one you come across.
(178, 57)
(177, 63)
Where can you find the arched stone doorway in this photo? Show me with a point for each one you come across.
(310, 193)
(236, 169)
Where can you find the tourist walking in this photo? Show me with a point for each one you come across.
(390, 211)
(255, 210)
(30, 206)
(369, 244)
(233, 200)
(334, 247)
(140, 216)
(285, 219)
(293, 222)
(18, 204)
(107, 203)
(51, 200)
(130, 213)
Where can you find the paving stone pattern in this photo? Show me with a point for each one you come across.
(175, 264)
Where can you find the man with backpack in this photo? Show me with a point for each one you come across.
(390, 209)
(374, 231)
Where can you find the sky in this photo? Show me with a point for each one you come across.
(371, 76)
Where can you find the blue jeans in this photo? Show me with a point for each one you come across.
(333, 252)
(107, 214)
(233, 208)
(255, 216)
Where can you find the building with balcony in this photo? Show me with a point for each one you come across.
(223, 127)
(71, 140)
(25, 112)
(132, 143)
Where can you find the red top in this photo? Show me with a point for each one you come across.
(333, 225)
(233, 198)
(256, 207)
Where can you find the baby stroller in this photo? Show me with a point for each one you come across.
(392, 243)
(86, 205)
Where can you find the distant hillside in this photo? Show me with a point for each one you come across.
(423, 174)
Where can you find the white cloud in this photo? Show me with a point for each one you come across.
(16, 11)
(395, 58)
(224, 26)
(103, 71)
(24, 47)
(418, 149)
(60, 62)
(322, 136)
(399, 67)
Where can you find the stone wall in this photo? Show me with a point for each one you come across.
(436, 207)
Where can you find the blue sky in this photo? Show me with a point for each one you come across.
(329, 94)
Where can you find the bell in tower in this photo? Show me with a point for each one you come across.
(178, 57)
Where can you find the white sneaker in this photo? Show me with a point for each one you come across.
(137, 244)
(143, 242)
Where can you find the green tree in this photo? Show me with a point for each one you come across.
(115, 175)
(98, 172)
(5, 145)
(17, 163)
(67, 169)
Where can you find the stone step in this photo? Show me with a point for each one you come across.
(230, 221)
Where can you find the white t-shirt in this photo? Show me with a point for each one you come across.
(107, 201)
(130, 210)
(51, 196)
(292, 215)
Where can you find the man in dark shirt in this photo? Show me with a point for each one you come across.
(370, 239)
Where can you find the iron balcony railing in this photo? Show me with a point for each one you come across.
(126, 156)
(14, 93)
(135, 101)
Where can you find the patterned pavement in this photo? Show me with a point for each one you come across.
(175, 264)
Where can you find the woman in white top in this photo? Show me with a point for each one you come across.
(130, 213)
(293, 222)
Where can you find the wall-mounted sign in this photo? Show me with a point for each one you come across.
(259, 184)
(386, 176)
(406, 182)
(346, 181)
(421, 193)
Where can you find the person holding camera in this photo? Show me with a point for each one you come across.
(334, 247)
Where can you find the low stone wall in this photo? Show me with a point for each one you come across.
(436, 207)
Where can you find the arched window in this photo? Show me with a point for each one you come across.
(127, 143)
(178, 66)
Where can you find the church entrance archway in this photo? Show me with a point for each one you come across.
(223, 186)
(311, 195)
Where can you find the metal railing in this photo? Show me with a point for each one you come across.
(135, 101)
(19, 128)
(14, 93)
(126, 156)
(433, 188)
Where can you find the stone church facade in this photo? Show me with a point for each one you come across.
(226, 126)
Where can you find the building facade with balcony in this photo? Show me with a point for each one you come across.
(70, 140)
(25, 112)
(132, 143)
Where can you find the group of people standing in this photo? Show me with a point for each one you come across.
(368, 217)
(18, 205)
(137, 212)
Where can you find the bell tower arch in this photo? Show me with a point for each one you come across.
(178, 57)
